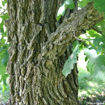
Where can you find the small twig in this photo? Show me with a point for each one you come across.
(77, 37)
(80, 40)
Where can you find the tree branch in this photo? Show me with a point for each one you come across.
(79, 21)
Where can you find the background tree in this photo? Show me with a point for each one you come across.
(39, 48)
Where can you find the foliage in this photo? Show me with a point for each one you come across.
(67, 4)
(90, 88)
(83, 3)
(99, 5)
(93, 39)
(69, 65)
(96, 63)
(3, 49)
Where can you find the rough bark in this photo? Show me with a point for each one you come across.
(39, 50)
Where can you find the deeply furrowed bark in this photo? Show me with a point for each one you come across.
(39, 50)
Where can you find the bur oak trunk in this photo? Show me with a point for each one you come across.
(39, 47)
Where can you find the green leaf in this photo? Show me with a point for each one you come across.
(2, 69)
(101, 26)
(61, 12)
(69, 65)
(62, 9)
(69, 4)
(99, 5)
(96, 63)
(4, 2)
(4, 16)
(82, 3)
(93, 33)
(5, 59)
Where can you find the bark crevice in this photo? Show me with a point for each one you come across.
(39, 50)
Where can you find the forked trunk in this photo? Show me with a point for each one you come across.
(37, 58)
(33, 80)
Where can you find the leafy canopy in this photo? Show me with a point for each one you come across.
(93, 39)
(98, 4)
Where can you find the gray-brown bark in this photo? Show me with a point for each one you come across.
(39, 50)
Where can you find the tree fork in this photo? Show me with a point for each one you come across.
(38, 51)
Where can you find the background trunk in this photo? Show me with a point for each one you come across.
(37, 80)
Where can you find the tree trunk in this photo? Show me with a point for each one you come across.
(39, 49)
